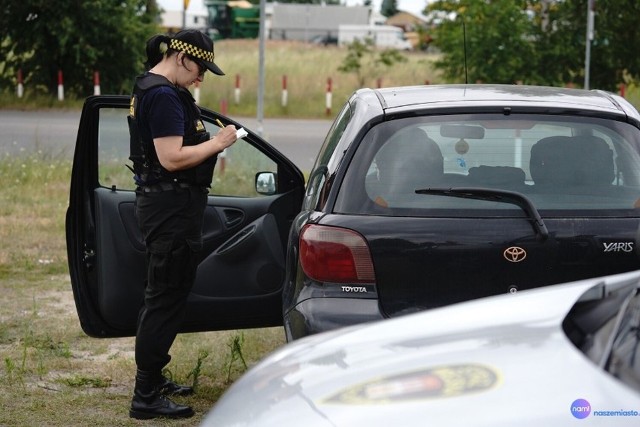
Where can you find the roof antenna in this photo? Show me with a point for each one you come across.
(464, 40)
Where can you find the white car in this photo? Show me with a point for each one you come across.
(550, 356)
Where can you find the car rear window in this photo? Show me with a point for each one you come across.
(586, 166)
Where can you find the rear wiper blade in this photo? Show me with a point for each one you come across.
(492, 195)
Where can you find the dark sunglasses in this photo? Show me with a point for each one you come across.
(201, 68)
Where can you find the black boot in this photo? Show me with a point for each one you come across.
(169, 388)
(148, 402)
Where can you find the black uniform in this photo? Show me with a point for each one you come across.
(169, 210)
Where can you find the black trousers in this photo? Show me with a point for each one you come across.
(171, 224)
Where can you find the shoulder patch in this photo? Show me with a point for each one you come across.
(132, 106)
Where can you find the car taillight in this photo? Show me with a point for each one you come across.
(338, 255)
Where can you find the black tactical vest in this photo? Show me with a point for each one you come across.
(146, 166)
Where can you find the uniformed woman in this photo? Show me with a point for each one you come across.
(173, 160)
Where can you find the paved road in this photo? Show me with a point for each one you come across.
(54, 133)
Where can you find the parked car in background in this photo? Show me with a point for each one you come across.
(382, 36)
(324, 39)
(420, 197)
(543, 357)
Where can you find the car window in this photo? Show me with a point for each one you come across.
(560, 163)
(234, 173)
(318, 174)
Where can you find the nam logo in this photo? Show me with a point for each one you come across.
(580, 408)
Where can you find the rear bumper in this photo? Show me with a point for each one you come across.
(315, 315)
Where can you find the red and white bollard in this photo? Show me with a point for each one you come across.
(223, 107)
(60, 86)
(285, 94)
(328, 97)
(20, 88)
(196, 92)
(237, 90)
(622, 89)
(96, 83)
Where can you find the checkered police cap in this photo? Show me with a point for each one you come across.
(198, 46)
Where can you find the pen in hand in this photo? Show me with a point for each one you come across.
(240, 133)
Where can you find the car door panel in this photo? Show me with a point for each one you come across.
(251, 262)
(240, 276)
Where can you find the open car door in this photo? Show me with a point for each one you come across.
(241, 271)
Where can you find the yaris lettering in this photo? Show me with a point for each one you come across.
(618, 247)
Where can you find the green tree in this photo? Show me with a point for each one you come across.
(365, 61)
(389, 8)
(484, 41)
(41, 37)
(614, 57)
(536, 41)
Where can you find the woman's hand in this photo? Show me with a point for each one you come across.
(174, 156)
(225, 137)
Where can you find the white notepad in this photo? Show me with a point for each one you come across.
(241, 133)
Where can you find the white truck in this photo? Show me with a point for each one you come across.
(383, 36)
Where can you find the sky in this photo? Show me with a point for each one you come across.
(412, 6)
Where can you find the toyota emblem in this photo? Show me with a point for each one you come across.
(514, 254)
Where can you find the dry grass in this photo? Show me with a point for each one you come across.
(53, 374)
(307, 68)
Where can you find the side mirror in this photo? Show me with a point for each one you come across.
(266, 183)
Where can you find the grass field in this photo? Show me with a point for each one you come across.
(53, 374)
(307, 69)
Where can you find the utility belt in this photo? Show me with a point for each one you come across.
(159, 187)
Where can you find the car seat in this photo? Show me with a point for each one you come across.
(562, 161)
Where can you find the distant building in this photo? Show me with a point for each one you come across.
(407, 21)
(306, 22)
(303, 22)
(414, 27)
(172, 20)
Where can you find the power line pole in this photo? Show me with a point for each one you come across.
(261, 36)
(185, 5)
(591, 11)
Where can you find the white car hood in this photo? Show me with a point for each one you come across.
(499, 361)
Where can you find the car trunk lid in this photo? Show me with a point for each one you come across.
(432, 262)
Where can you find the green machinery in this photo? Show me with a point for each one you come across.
(233, 19)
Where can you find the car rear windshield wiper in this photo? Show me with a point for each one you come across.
(491, 195)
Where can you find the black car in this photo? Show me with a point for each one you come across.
(420, 197)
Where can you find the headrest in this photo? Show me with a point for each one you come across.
(578, 160)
